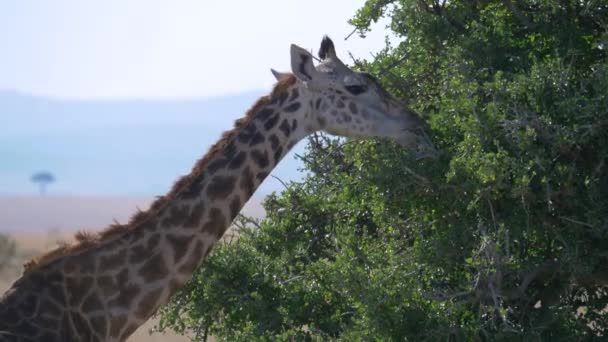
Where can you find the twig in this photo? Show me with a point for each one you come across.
(350, 34)
(248, 219)
(355, 61)
(494, 298)
(392, 65)
(492, 212)
(507, 244)
(576, 221)
(280, 181)
(292, 279)
(417, 176)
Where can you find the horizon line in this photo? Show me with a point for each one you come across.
(126, 98)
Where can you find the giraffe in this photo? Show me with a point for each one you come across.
(103, 287)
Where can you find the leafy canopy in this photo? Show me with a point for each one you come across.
(503, 238)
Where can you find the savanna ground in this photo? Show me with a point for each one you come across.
(37, 224)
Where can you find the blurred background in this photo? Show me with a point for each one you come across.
(103, 104)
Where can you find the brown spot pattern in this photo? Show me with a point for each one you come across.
(107, 285)
(179, 244)
(116, 324)
(138, 254)
(246, 133)
(176, 216)
(281, 98)
(77, 288)
(294, 95)
(293, 107)
(174, 285)
(129, 330)
(91, 303)
(257, 138)
(217, 164)
(123, 276)
(225, 146)
(81, 326)
(274, 142)
(148, 303)
(321, 121)
(318, 103)
(264, 114)
(99, 324)
(278, 154)
(56, 292)
(196, 213)
(271, 122)
(220, 187)
(235, 206)
(261, 176)
(154, 269)
(110, 262)
(49, 308)
(246, 183)
(238, 160)
(285, 128)
(260, 158)
(194, 258)
(216, 224)
(125, 296)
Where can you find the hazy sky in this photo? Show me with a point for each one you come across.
(83, 49)
(154, 48)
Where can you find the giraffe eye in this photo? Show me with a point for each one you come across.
(356, 89)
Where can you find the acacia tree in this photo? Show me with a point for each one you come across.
(43, 179)
(502, 238)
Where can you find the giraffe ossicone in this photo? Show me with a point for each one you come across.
(106, 285)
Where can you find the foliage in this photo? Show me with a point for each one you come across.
(502, 238)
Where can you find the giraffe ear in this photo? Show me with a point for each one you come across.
(327, 49)
(279, 75)
(301, 64)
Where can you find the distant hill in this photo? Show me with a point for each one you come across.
(22, 114)
(113, 147)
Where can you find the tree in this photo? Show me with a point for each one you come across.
(43, 178)
(503, 238)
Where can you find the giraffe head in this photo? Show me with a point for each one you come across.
(354, 104)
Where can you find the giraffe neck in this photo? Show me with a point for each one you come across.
(105, 288)
(165, 250)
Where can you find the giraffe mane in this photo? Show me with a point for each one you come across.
(88, 240)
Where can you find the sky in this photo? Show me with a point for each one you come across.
(164, 49)
(145, 49)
